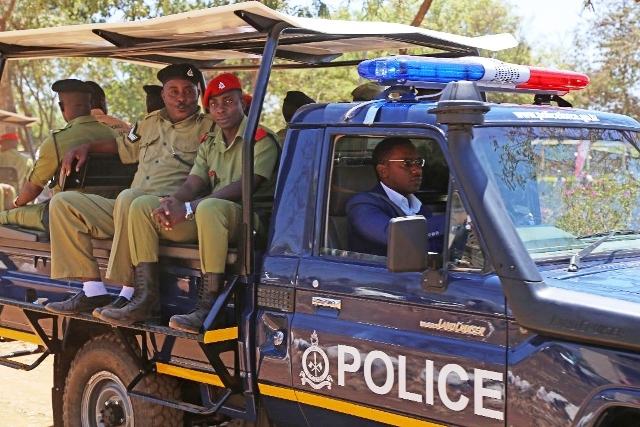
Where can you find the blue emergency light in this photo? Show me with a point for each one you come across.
(413, 70)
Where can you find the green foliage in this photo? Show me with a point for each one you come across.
(588, 206)
(122, 82)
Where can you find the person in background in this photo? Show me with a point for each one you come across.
(11, 157)
(366, 92)
(399, 170)
(247, 99)
(153, 101)
(292, 101)
(100, 111)
(75, 103)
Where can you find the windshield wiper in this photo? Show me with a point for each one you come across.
(574, 263)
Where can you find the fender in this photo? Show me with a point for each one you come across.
(599, 402)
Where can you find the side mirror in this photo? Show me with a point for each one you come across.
(407, 244)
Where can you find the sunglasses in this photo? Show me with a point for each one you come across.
(407, 163)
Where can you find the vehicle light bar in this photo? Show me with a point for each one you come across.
(405, 69)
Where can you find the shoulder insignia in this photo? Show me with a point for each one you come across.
(204, 137)
(260, 133)
(133, 134)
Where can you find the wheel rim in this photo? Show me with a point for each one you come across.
(105, 402)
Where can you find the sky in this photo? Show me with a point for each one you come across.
(548, 23)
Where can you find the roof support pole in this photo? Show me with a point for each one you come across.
(247, 239)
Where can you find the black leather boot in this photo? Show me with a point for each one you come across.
(145, 303)
(209, 290)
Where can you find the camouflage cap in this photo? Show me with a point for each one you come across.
(366, 91)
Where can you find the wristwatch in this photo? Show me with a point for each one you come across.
(189, 215)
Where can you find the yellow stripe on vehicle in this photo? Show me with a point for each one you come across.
(342, 406)
(279, 392)
(219, 335)
(189, 374)
(20, 336)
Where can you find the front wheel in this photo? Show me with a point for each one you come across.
(95, 392)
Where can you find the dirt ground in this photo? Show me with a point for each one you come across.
(25, 397)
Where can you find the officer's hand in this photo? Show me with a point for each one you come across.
(171, 212)
(81, 152)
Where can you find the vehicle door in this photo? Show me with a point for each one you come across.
(370, 346)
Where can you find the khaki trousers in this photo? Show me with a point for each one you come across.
(216, 224)
(28, 216)
(74, 219)
(7, 192)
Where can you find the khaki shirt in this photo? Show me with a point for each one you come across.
(282, 134)
(20, 162)
(152, 143)
(78, 131)
(220, 165)
(114, 123)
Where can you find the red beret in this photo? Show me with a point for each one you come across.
(247, 100)
(9, 137)
(221, 84)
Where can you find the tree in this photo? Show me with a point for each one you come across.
(608, 53)
(475, 18)
(123, 82)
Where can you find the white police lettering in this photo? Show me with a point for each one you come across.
(548, 115)
(350, 360)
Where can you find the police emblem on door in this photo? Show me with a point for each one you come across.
(315, 366)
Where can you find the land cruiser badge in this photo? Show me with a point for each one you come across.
(315, 367)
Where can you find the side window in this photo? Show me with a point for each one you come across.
(353, 173)
(464, 249)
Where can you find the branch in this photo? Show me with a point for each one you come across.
(424, 8)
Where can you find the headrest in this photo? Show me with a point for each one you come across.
(346, 182)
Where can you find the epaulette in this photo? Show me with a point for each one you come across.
(260, 133)
(133, 135)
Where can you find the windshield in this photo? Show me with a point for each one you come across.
(565, 187)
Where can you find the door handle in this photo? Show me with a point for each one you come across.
(336, 304)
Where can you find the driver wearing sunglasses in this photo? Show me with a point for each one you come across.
(399, 170)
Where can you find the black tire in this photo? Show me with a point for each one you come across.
(95, 392)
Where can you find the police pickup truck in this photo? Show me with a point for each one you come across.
(527, 317)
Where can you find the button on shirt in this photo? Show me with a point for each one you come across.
(410, 206)
(152, 143)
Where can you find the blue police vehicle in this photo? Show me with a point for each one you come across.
(524, 318)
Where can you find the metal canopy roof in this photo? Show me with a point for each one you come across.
(10, 118)
(239, 31)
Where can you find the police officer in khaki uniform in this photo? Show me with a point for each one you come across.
(164, 144)
(184, 216)
(100, 111)
(75, 104)
(11, 157)
(153, 99)
(291, 103)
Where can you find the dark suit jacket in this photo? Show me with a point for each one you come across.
(368, 218)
